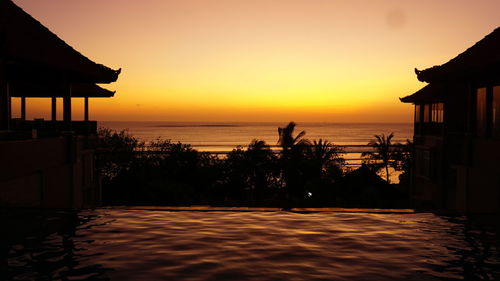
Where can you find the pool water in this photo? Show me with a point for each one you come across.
(109, 244)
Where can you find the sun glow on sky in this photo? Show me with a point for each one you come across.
(263, 60)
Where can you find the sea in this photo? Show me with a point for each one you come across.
(225, 136)
(130, 244)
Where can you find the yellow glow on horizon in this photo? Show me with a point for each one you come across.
(263, 60)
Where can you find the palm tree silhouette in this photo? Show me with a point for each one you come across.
(324, 166)
(286, 139)
(403, 160)
(293, 161)
(383, 156)
(258, 145)
(324, 153)
(261, 168)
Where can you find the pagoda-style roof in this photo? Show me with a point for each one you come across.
(431, 93)
(479, 63)
(31, 52)
(31, 90)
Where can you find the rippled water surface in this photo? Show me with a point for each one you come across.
(161, 245)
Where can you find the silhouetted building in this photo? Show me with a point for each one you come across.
(457, 131)
(46, 163)
(363, 188)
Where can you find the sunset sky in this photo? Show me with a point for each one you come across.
(262, 60)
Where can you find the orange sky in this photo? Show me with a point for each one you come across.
(262, 60)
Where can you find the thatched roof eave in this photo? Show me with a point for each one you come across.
(481, 62)
(25, 43)
(431, 93)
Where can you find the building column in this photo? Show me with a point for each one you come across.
(5, 110)
(54, 109)
(4, 98)
(23, 108)
(86, 109)
(67, 109)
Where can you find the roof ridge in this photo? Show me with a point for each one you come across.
(427, 75)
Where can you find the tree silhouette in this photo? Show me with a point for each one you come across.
(262, 169)
(322, 154)
(116, 151)
(403, 160)
(286, 139)
(383, 156)
(293, 162)
(304, 173)
(324, 166)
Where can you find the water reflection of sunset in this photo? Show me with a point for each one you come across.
(128, 244)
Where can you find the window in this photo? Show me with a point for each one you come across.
(496, 111)
(440, 112)
(481, 111)
(417, 114)
(427, 111)
(437, 112)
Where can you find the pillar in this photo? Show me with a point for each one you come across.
(23, 108)
(5, 114)
(5, 110)
(67, 109)
(86, 109)
(54, 109)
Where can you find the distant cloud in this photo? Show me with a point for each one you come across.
(396, 18)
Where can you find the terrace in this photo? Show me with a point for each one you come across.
(21, 129)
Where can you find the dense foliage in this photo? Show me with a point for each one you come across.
(302, 173)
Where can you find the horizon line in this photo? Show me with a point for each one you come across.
(263, 122)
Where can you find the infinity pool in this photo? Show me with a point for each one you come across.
(139, 245)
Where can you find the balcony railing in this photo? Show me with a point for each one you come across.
(351, 154)
(433, 129)
(28, 129)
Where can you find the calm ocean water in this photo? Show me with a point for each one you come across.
(209, 136)
(126, 244)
